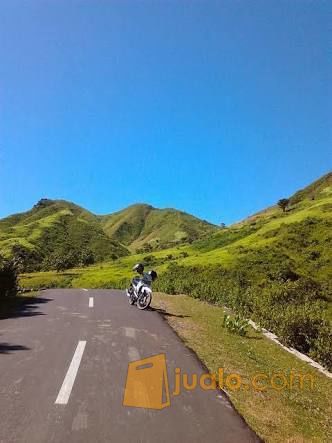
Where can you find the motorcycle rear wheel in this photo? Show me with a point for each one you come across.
(144, 300)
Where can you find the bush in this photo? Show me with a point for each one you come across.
(322, 347)
(149, 260)
(25, 259)
(280, 300)
(299, 326)
(8, 278)
(67, 259)
(86, 258)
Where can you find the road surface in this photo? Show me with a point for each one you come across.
(63, 371)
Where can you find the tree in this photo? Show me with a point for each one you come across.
(64, 260)
(283, 203)
(86, 258)
(25, 260)
(42, 203)
(223, 225)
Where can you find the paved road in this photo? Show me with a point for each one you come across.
(63, 369)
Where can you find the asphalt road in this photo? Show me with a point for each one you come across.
(63, 370)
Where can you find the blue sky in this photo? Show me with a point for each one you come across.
(218, 108)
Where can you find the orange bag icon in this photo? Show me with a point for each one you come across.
(147, 383)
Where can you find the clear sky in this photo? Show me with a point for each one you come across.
(218, 108)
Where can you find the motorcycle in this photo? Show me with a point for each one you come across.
(140, 291)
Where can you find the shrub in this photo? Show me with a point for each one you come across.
(237, 325)
(280, 300)
(299, 326)
(322, 347)
(8, 278)
(86, 258)
(149, 259)
(25, 259)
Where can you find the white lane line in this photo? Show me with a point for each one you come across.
(91, 302)
(83, 289)
(68, 382)
(133, 354)
(130, 332)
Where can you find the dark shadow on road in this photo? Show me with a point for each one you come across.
(6, 348)
(22, 307)
(167, 314)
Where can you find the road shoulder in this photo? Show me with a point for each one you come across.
(275, 414)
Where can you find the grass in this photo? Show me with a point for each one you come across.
(103, 275)
(298, 415)
(49, 279)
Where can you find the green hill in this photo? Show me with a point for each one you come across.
(57, 229)
(300, 236)
(144, 226)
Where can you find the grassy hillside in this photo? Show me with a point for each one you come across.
(301, 237)
(56, 230)
(55, 227)
(126, 226)
(142, 225)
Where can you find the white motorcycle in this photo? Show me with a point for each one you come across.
(140, 291)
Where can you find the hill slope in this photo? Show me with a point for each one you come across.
(141, 224)
(275, 268)
(301, 235)
(54, 227)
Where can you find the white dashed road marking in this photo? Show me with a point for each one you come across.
(130, 332)
(83, 289)
(133, 354)
(68, 382)
(91, 302)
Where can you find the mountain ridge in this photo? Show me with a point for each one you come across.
(141, 224)
(53, 227)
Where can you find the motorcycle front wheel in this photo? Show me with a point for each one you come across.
(144, 300)
(131, 296)
(131, 300)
